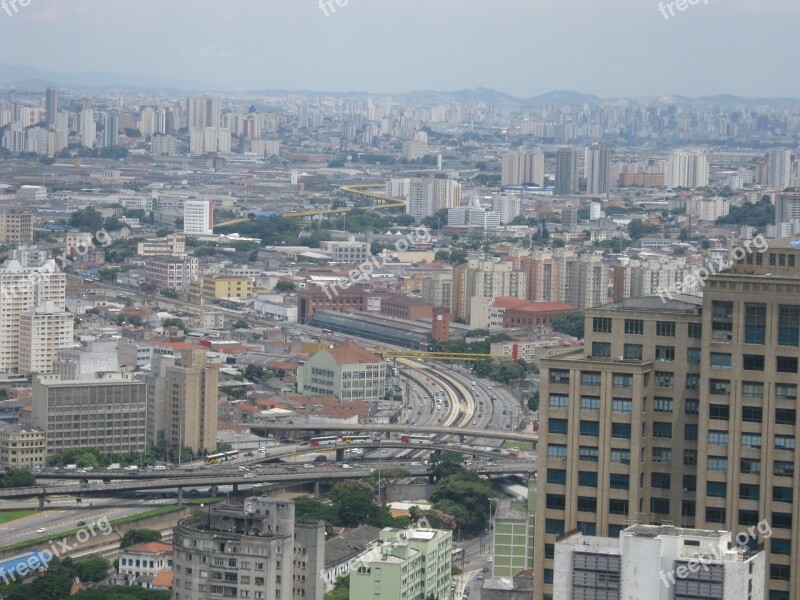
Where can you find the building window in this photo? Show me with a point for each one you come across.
(632, 352)
(755, 323)
(691, 407)
(695, 330)
(715, 515)
(621, 430)
(662, 455)
(601, 325)
(554, 526)
(717, 438)
(783, 547)
(753, 362)
(634, 327)
(752, 389)
(619, 481)
(559, 401)
(722, 321)
(557, 451)
(751, 440)
(689, 483)
(717, 489)
(660, 480)
(786, 364)
(665, 328)
(693, 356)
(784, 442)
(555, 501)
(622, 405)
(590, 403)
(717, 463)
(662, 404)
(590, 453)
(786, 391)
(559, 376)
(557, 426)
(622, 380)
(618, 507)
(587, 478)
(587, 504)
(780, 572)
(785, 416)
(590, 428)
(720, 360)
(783, 468)
(664, 379)
(752, 414)
(591, 378)
(665, 353)
(719, 412)
(782, 494)
(659, 506)
(750, 466)
(689, 458)
(601, 349)
(690, 432)
(789, 325)
(621, 457)
(557, 476)
(721, 387)
(662, 430)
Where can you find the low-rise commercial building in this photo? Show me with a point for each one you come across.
(21, 446)
(347, 371)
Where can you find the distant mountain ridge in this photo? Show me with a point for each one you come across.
(34, 80)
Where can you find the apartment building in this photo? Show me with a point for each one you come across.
(109, 414)
(227, 287)
(349, 251)
(174, 244)
(484, 279)
(404, 564)
(235, 551)
(171, 272)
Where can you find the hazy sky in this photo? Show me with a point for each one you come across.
(522, 47)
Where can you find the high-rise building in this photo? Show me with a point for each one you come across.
(182, 395)
(30, 296)
(779, 168)
(109, 414)
(437, 289)
(403, 564)
(787, 208)
(427, 196)
(16, 225)
(597, 169)
(681, 411)
(203, 112)
(198, 217)
(687, 169)
(51, 105)
(230, 551)
(523, 167)
(708, 209)
(88, 128)
(566, 172)
(508, 206)
(111, 130)
(484, 279)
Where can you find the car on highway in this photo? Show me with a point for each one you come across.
(346, 466)
(244, 469)
(249, 475)
(81, 523)
(248, 453)
(41, 530)
(308, 466)
(416, 464)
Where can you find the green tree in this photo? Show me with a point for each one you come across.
(92, 569)
(174, 322)
(134, 537)
(241, 324)
(446, 464)
(341, 589)
(466, 497)
(570, 323)
(87, 219)
(284, 286)
(354, 503)
(637, 229)
(14, 478)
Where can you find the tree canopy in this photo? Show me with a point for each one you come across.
(570, 323)
(134, 537)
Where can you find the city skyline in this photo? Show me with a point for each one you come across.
(294, 46)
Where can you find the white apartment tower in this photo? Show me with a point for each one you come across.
(426, 196)
(88, 128)
(523, 167)
(779, 168)
(687, 169)
(597, 170)
(198, 217)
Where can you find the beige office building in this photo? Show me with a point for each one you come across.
(109, 414)
(21, 446)
(16, 227)
(676, 415)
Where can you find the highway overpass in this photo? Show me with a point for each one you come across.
(261, 426)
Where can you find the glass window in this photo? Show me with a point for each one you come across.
(752, 414)
(750, 466)
(590, 378)
(755, 323)
(695, 330)
(789, 325)
(601, 349)
(617, 507)
(590, 402)
(751, 440)
(692, 406)
(662, 455)
(692, 381)
(786, 391)
(715, 515)
(662, 404)
(689, 458)
(660, 480)
(665, 328)
(693, 356)
(559, 401)
(786, 364)
(591, 428)
(783, 468)
(785, 416)
(662, 430)
(555, 501)
(554, 527)
(720, 360)
(753, 362)
(753, 389)
(559, 376)
(690, 432)
(720, 412)
(621, 430)
(619, 481)
(720, 387)
(622, 380)
(557, 451)
(622, 405)
(784, 547)
(632, 352)
(689, 483)
(664, 379)
(717, 489)
(590, 453)
(634, 326)
(717, 438)
(621, 457)
(784, 442)
(557, 476)
(722, 321)
(587, 478)
(659, 506)
(782, 494)
(717, 463)
(557, 426)
(601, 325)
(665, 353)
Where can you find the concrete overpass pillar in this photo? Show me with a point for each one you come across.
(235, 488)
(180, 496)
(214, 490)
(340, 454)
(41, 501)
(316, 489)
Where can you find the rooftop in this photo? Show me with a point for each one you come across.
(350, 352)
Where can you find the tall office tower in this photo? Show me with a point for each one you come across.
(182, 398)
(521, 167)
(426, 196)
(618, 426)
(236, 551)
(713, 416)
(23, 292)
(787, 208)
(88, 128)
(198, 217)
(566, 172)
(592, 283)
(569, 217)
(597, 168)
(202, 112)
(437, 288)
(43, 331)
(484, 279)
(779, 168)
(110, 130)
(687, 169)
(302, 116)
(51, 105)
(747, 448)
(147, 121)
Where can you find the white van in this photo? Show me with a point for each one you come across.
(160, 468)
